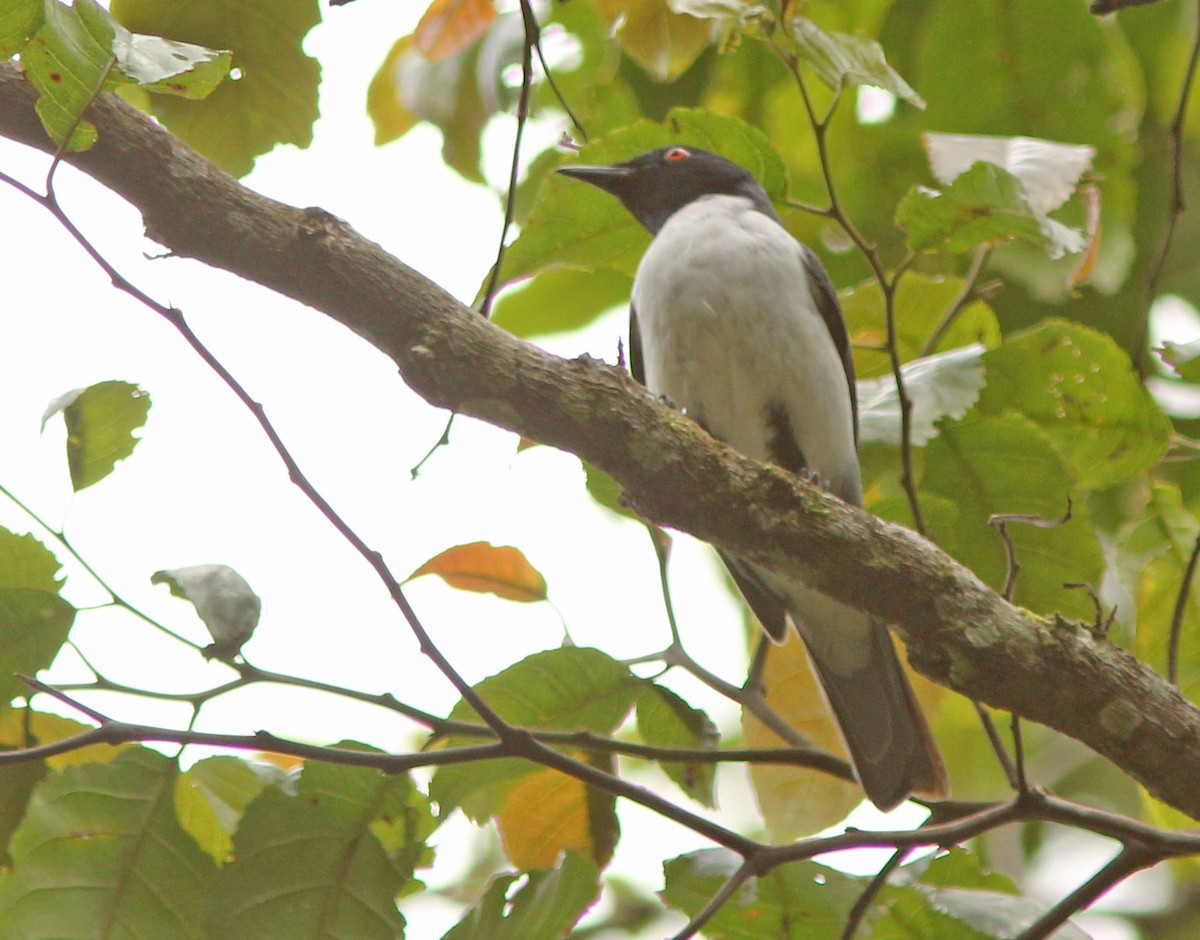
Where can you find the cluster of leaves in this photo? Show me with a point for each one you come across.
(1012, 412)
(233, 837)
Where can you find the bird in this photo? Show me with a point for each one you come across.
(736, 323)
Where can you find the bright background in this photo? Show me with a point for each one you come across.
(204, 486)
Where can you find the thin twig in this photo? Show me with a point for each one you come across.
(1181, 599)
(62, 540)
(532, 32)
(960, 303)
(888, 285)
(908, 477)
(715, 903)
(993, 736)
(442, 441)
(372, 557)
(1178, 200)
(1131, 859)
(749, 697)
(1019, 754)
(857, 913)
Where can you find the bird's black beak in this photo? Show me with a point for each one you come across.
(608, 178)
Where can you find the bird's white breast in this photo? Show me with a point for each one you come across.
(730, 330)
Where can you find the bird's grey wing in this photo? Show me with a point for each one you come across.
(768, 606)
(636, 367)
(825, 297)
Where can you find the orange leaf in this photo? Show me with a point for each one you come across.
(481, 566)
(548, 812)
(449, 26)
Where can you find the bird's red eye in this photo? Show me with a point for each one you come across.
(677, 153)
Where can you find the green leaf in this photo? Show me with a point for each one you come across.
(663, 43)
(272, 98)
(1184, 358)
(559, 300)
(919, 306)
(576, 225)
(1006, 464)
(918, 911)
(546, 907)
(17, 783)
(940, 386)
(606, 491)
(324, 839)
(68, 61)
(19, 19)
(569, 689)
(100, 422)
(1080, 388)
(33, 627)
(1048, 171)
(223, 600)
(27, 563)
(211, 796)
(80, 50)
(666, 720)
(1054, 71)
(802, 899)
(1154, 551)
(163, 66)
(572, 689)
(984, 206)
(957, 867)
(100, 846)
(840, 60)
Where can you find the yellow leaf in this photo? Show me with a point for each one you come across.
(661, 42)
(288, 762)
(547, 813)
(481, 566)
(385, 104)
(21, 728)
(796, 801)
(449, 26)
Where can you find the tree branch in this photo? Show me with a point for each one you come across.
(960, 633)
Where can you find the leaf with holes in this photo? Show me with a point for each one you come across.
(1081, 389)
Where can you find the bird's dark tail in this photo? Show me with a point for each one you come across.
(872, 701)
(891, 748)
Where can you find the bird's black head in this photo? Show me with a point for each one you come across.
(655, 185)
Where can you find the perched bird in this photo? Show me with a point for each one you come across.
(737, 324)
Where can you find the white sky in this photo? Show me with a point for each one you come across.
(203, 486)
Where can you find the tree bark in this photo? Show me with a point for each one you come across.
(959, 632)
